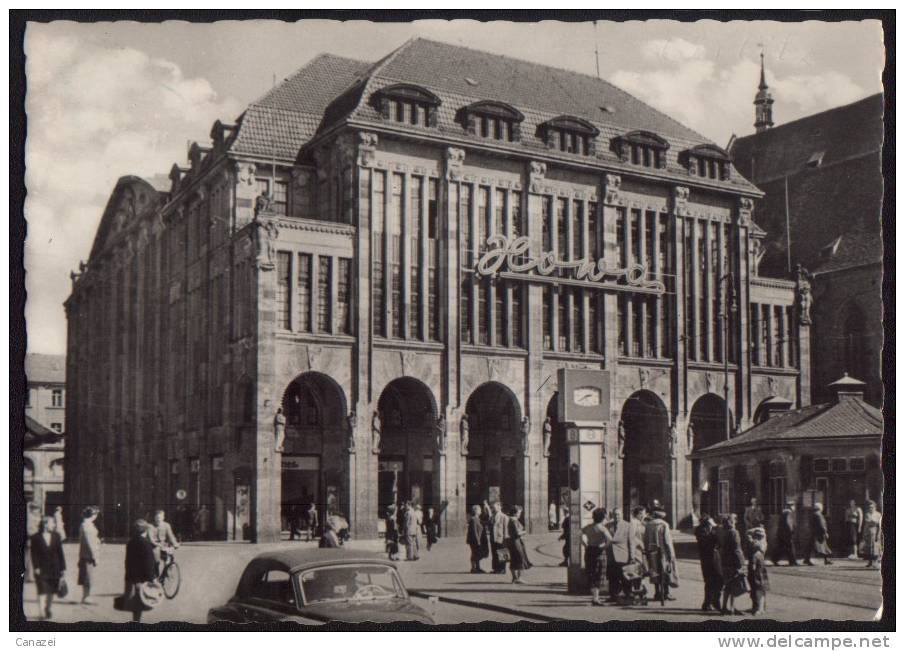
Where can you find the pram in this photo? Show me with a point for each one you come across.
(633, 575)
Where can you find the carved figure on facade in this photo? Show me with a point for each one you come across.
(441, 434)
(708, 381)
(745, 208)
(279, 430)
(689, 436)
(548, 435)
(613, 187)
(673, 439)
(463, 435)
(805, 298)
(245, 173)
(351, 425)
(367, 148)
(524, 432)
(620, 440)
(375, 433)
(263, 204)
(680, 196)
(455, 158)
(643, 377)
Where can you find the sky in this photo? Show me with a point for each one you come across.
(108, 99)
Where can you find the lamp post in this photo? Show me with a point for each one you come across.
(728, 305)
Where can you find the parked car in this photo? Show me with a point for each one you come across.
(313, 586)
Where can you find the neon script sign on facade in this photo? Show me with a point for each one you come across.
(513, 255)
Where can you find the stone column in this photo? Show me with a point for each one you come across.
(804, 298)
(613, 204)
(682, 469)
(742, 269)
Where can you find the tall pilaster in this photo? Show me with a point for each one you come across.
(613, 206)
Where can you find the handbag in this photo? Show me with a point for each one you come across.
(502, 555)
(738, 585)
(62, 588)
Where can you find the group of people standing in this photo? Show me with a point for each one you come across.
(406, 525)
(501, 537)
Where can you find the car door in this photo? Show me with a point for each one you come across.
(272, 598)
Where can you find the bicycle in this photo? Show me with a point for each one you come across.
(170, 577)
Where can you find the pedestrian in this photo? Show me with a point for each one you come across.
(48, 564)
(785, 536)
(706, 535)
(518, 553)
(429, 528)
(476, 540)
(32, 526)
(596, 539)
(636, 536)
(330, 539)
(566, 537)
(499, 527)
(619, 554)
(312, 521)
(392, 533)
(162, 537)
(89, 552)
(58, 519)
(872, 534)
(732, 564)
(754, 516)
(552, 519)
(854, 518)
(819, 541)
(141, 567)
(410, 531)
(419, 525)
(758, 581)
(660, 553)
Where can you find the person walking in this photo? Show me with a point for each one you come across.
(58, 519)
(758, 581)
(330, 539)
(499, 527)
(89, 552)
(854, 518)
(410, 532)
(419, 526)
(754, 516)
(312, 521)
(566, 537)
(141, 567)
(732, 563)
(476, 540)
(48, 564)
(392, 533)
(706, 536)
(819, 541)
(430, 527)
(660, 553)
(872, 534)
(552, 519)
(596, 539)
(518, 553)
(618, 554)
(636, 536)
(785, 536)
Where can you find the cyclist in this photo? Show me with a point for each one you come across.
(163, 537)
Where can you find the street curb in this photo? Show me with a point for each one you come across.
(485, 606)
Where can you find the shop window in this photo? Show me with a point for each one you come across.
(839, 464)
(821, 465)
(856, 464)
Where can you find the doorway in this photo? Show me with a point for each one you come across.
(647, 467)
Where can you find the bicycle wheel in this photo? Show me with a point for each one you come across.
(171, 580)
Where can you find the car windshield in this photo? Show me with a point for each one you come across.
(350, 583)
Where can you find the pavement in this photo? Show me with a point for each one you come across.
(440, 582)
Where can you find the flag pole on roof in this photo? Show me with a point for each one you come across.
(596, 53)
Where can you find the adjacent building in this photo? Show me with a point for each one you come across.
(823, 184)
(361, 291)
(45, 418)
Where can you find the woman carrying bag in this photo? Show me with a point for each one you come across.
(48, 564)
(141, 569)
(518, 554)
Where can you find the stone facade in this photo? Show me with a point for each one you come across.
(353, 307)
(46, 404)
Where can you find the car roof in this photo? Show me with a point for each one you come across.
(294, 559)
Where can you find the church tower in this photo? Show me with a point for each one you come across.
(763, 103)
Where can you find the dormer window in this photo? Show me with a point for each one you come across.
(408, 104)
(642, 148)
(707, 162)
(570, 135)
(494, 121)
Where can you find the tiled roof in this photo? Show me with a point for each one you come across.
(841, 197)
(45, 368)
(36, 434)
(847, 418)
(281, 121)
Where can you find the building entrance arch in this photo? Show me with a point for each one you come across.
(707, 425)
(494, 446)
(558, 460)
(647, 465)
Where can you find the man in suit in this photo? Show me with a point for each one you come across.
(661, 556)
(620, 553)
(785, 536)
(754, 516)
(474, 537)
(498, 526)
(410, 532)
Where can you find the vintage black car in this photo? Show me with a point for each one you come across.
(313, 586)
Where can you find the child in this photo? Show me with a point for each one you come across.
(429, 528)
(757, 570)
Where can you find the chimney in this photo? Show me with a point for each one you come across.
(847, 388)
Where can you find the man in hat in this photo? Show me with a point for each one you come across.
(661, 555)
(785, 536)
(819, 541)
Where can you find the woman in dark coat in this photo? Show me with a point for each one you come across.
(705, 533)
(732, 562)
(48, 563)
(141, 567)
(392, 533)
(518, 554)
(820, 537)
(476, 540)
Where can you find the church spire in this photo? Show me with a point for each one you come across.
(763, 101)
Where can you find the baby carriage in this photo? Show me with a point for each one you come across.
(633, 575)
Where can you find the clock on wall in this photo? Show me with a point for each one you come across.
(584, 395)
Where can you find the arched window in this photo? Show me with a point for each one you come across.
(493, 120)
(407, 104)
(707, 161)
(570, 134)
(641, 148)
